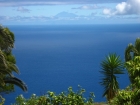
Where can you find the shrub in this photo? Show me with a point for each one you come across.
(127, 97)
(1, 100)
(64, 98)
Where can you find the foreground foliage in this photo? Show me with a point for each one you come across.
(132, 50)
(131, 95)
(127, 97)
(111, 66)
(64, 98)
(2, 100)
(7, 64)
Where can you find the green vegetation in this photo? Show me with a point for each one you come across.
(64, 98)
(7, 64)
(132, 50)
(131, 95)
(111, 67)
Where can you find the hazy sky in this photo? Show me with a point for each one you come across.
(69, 11)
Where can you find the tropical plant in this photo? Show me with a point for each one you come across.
(123, 97)
(111, 66)
(7, 62)
(1, 100)
(7, 79)
(127, 97)
(132, 50)
(131, 95)
(64, 98)
(6, 39)
(133, 68)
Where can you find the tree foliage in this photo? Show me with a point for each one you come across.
(132, 50)
(8, 63)
(127, 97)
(111, 66)
(131, 95)
(64, 98)
(133, 68)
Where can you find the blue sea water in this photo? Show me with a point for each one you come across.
(54, 57)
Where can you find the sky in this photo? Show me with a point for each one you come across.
(38, 12)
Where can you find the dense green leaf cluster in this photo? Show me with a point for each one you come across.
(127, 97)
(7, 63)
(133, 67)
(1, 100)
(64, 98)
(131, 95)
(111, 66)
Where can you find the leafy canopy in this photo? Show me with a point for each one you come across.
(111, 66)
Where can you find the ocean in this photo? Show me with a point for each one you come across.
(54, 57)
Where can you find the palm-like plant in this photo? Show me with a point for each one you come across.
(6, 39)
(6, 76)
(7, 61)
(111, 66)
(16, 81)
(132, 50)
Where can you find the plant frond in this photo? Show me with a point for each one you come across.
(12, 67)
(6, 72)
(130, 48)
(137, 46)
(16, 81)
(111, 66)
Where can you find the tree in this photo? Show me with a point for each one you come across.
(131, 95)
(132, 50)
(6, 39)
(111, 66)
(131, 57)
(7, 62)
(133, 68)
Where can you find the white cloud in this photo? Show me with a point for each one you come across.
(130, 7)
(107, 11)
(122, 8)
(87, 7)
(23, 10)
(59, 17)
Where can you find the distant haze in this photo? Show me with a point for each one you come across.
(24, 12)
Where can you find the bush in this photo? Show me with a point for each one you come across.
(64, 98)
(127, 97)
(1, 100)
